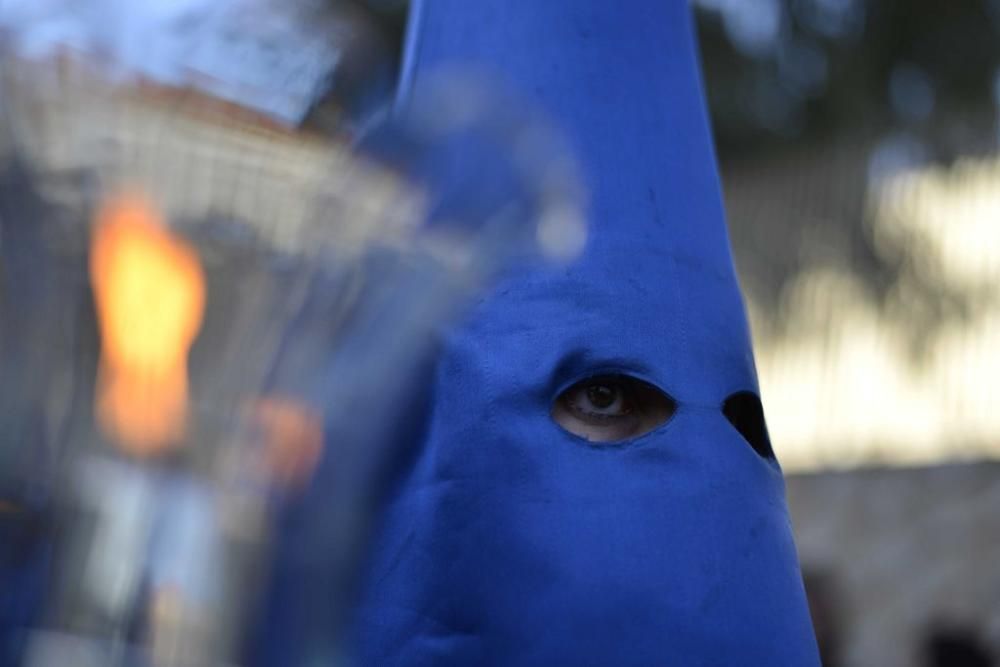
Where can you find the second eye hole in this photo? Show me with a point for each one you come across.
(611, 408)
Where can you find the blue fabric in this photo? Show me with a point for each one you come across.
(512, 542)
(24, 571)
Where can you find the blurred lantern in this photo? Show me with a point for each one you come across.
(206, 311)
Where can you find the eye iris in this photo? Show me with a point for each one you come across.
(602, 396)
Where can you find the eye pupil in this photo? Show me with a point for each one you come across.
(601, 396)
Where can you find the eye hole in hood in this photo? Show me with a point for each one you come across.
(745, 412)
(611, 408)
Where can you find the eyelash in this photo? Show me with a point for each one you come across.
(598, 418)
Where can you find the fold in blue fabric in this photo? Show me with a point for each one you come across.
(510, 541)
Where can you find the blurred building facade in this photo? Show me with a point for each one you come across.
(893, 557)
(858, 143)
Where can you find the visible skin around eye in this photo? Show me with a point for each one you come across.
(611, 408)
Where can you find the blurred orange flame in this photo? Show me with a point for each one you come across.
(149, 289)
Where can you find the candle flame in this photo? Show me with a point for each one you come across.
(149, 289)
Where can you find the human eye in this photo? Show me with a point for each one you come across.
(611, 408)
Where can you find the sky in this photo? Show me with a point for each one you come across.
(268, 55)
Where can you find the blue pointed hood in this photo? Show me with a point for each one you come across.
(514, 542)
